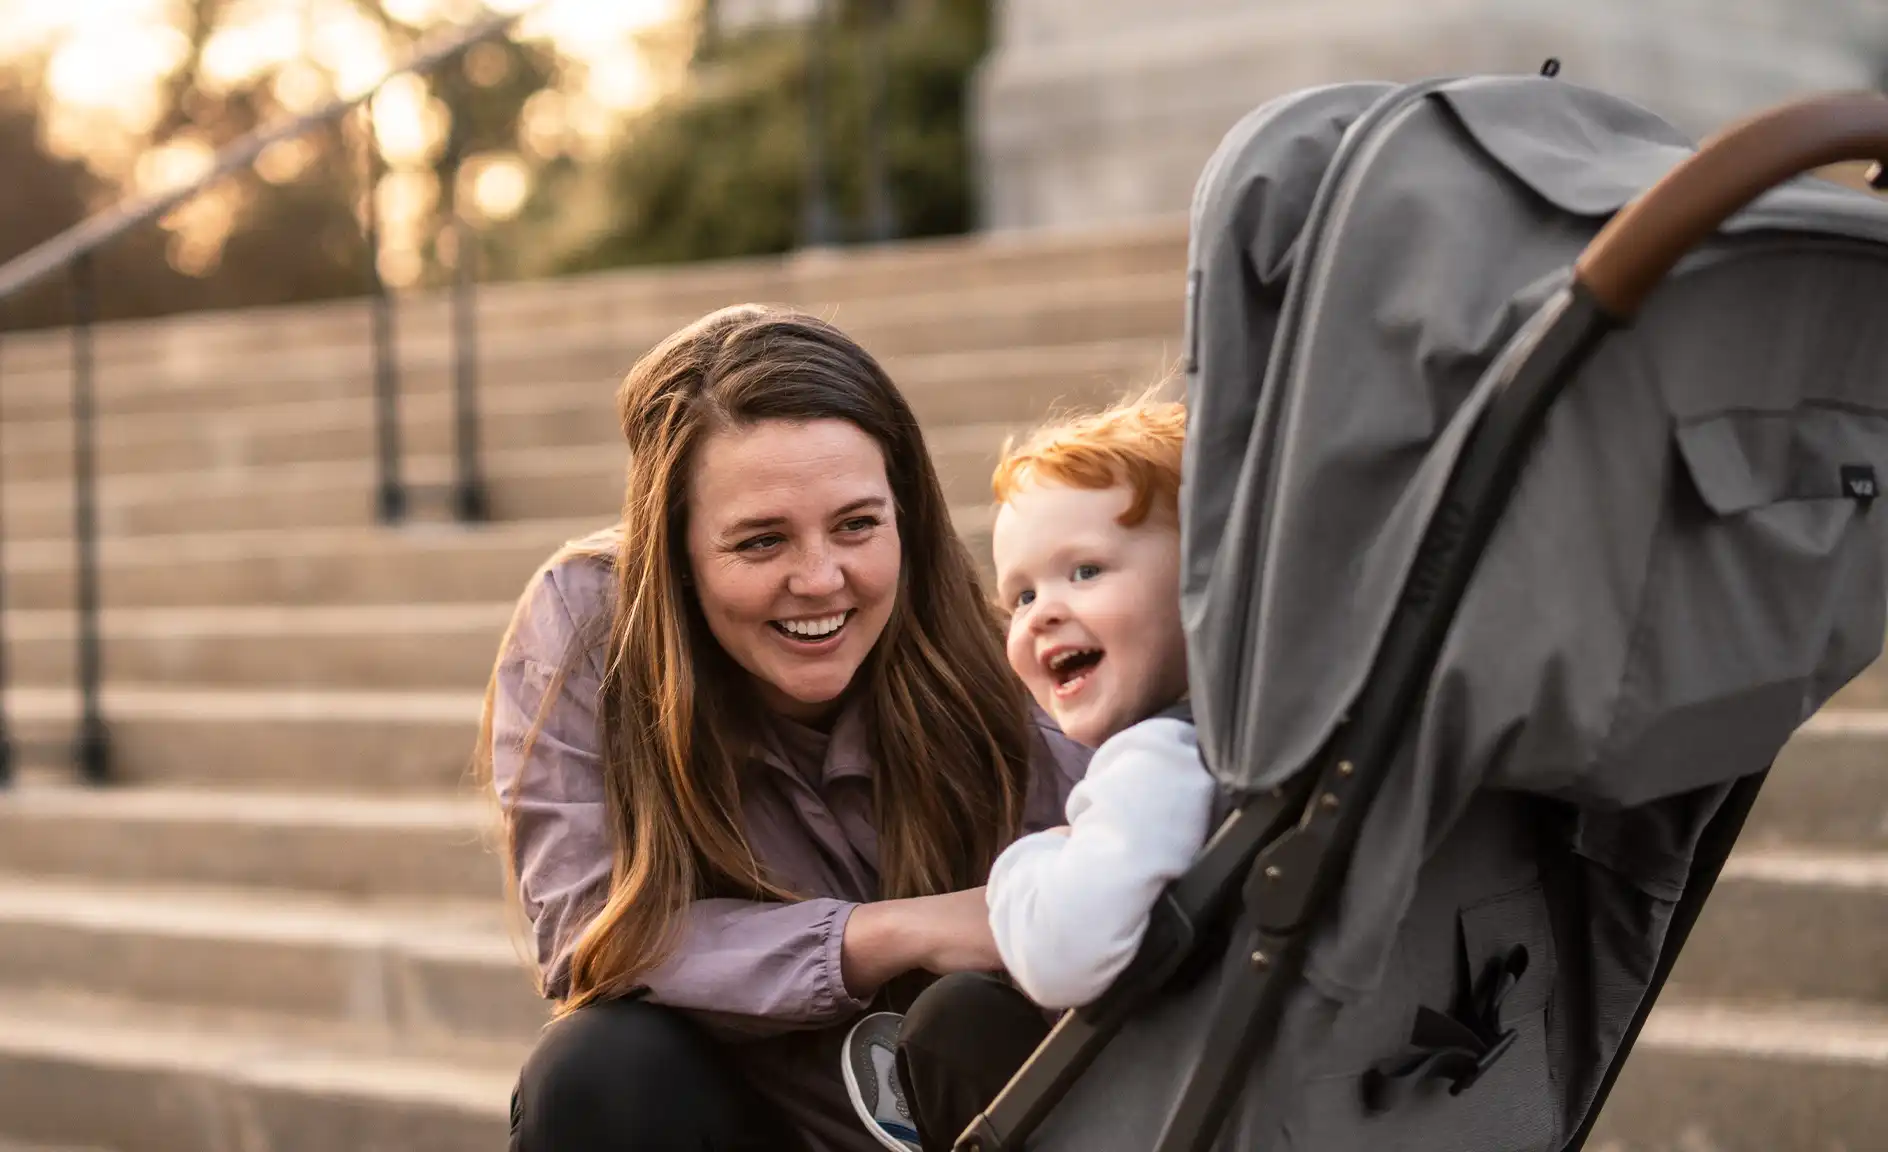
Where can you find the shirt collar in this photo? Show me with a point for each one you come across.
(848, 752)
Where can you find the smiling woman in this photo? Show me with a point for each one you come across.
(757, 747)
(795, 550)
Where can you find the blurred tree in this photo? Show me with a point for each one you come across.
(717, 168)
(483, 96)
(284, 231)
(290, 229)
(43, 195)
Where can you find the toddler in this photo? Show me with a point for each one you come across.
(1087, 550)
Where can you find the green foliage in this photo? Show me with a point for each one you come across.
(718, 169)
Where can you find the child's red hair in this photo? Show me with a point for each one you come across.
(1137, 443)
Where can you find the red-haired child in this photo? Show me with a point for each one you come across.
(1087, 550)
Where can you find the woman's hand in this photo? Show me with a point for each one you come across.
(942, 934)
(957, 932)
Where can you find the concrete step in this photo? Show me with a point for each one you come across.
(416, 968)
(360, 647)
(1748, 945)
(1751, 1078)
(1868, 690)
(379, 742)
(99, 1072)
(440, 845)
(241, 823)
(218, 446)
(1798, 924)
(575, 346)
(183, 346)
(1829, 786)
(388, 740)
(289, 566)
(139, 1078)
(417, 563)
(578, 478)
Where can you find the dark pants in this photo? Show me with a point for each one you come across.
(624, 1074)
(963, 1039)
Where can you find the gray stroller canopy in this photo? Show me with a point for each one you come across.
(1520, 601)
(1607, 653)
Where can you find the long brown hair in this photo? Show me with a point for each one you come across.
(947, 726)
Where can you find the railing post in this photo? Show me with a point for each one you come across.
(469, 497)
(6, 735)
(93, 745)
(390, 493)
(468, 486)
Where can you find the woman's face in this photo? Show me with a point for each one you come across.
(793, 543)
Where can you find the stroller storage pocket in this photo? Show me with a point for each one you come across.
(1473, 1069)
(1758, 601)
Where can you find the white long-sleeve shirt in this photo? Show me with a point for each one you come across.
(1068, 909)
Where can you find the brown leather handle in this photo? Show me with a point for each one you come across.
(1638, 247)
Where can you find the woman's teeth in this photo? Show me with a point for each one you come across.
(818, 628)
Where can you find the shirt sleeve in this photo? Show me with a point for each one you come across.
(748, 968)
(1068, 910)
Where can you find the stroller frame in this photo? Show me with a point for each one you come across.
(1283, 852)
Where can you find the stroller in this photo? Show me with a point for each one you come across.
(1528, 512)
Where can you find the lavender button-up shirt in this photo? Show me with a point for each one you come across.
(764, 977)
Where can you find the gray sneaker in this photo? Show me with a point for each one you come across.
(871, 1072)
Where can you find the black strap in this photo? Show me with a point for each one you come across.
(1460, 1046)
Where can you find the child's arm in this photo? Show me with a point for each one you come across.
(1068, 910)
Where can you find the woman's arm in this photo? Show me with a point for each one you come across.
(1068, 910)
(941, 934)
(749, 968)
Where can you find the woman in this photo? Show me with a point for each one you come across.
(757, 747)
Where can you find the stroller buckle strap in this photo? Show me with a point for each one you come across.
(1458, 1046)
(1486, 1061)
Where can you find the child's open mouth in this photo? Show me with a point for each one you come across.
(814, 630)
(1070, 668)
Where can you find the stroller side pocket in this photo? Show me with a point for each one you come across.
(1443, 1068)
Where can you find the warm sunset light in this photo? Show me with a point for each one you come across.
(105, 59)
(105, 56)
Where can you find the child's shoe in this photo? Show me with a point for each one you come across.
(871, 1072)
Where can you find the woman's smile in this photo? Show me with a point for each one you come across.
(813, 635)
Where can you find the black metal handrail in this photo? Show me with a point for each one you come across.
(72, 253)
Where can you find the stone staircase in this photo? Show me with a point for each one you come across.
(282, 932)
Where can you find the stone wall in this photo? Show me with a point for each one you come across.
(1100, 111)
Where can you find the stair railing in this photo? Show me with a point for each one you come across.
(72, 254)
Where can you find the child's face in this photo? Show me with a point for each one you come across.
(1095, 607)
